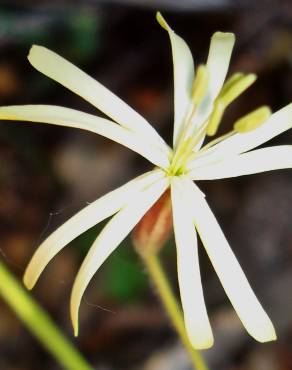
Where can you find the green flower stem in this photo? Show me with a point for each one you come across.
(39, 323)
(174, 311)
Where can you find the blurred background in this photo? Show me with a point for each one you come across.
(48, 173)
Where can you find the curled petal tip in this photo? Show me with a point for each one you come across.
(201, 341)
(33, 46)
(74, 310)
(274, 336)
(27, 281)
(32, 50)
(267, 334)
(74, 321)
(161, 21)
(203, 345)
(76, 331)
(224, 35)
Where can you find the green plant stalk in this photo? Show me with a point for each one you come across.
(174, 311)
(39, 323)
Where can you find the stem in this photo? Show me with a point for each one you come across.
(39, 323)
(174, 311)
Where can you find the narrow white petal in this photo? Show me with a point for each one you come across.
(62, 116)
(233, 279)
(195, 314)
(183, 73)
(109, 239)
(218, 60)
(67, 74)
(279, 122)
(221, 47)
(84, 220)
(256, 161)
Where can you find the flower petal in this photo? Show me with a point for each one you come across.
(256, 161)
(218, 60)
(84, 220)
(279, 122)
(183, 71)
(109, 239)
(221, 47)
(62, 116)
(195, 314)
(67, 74)
(233, 279)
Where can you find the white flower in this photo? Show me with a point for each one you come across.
(199, 103)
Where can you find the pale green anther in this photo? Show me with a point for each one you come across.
(252, 120)
(230, 82)
(237, 88)
(215, 117)
(200, 84)
(233, 87)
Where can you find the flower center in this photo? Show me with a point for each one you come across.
(181, 156)
(192, 133)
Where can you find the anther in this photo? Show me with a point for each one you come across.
(231, 81)
(237, 88)
(200, 85)
(215, 117)
(252, 120)
(233, 87)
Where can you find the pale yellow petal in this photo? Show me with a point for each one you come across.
(84, 220)
(256, 161)
(218, 60)
(62, 116)
(183, 73)
(195, 314)
(109, 239)
(67, 74)
(233, 279)
(221, 47)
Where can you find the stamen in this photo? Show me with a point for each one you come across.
(237, 88)
(199, 89)
(233, 87)
(231, 81)
(252, 120)
(215, 117)
(200, 84)
(216, 141)
(186, 151)
(180, 156)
